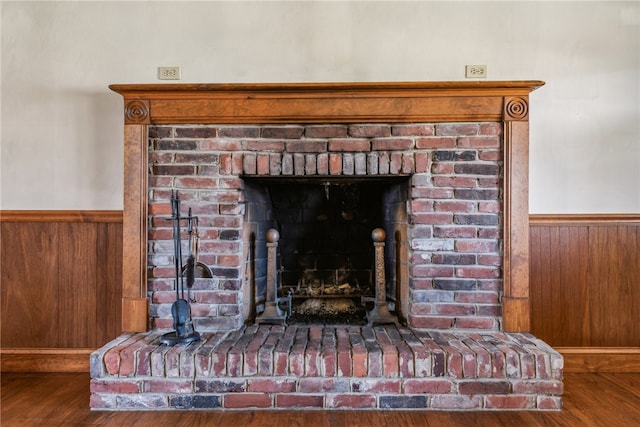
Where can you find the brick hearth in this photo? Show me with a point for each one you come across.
(315, 367)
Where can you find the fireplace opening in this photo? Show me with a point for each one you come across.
(325, 269)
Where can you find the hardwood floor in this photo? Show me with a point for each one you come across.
(62, 399)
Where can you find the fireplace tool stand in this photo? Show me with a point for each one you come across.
(184, 331)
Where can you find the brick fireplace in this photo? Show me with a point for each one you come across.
(440, 167)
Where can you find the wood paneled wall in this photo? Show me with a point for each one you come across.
(585, 280)
(61, 278)
(62, 271)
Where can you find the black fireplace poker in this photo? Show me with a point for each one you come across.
(184, 331)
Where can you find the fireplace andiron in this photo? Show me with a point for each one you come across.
(184, 331)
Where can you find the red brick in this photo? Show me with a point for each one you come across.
(284, 132)
(391, 144)
(118, 386)
(287, 164)
(263, 145)
(454, 206)
(359, 358)
(220, 144)
(408, 163)
(473, 387)
(335, 164)
(310, 167)
(477, 323)
(427, 386)
(299, 401)
(298, 164)
(189, 182)
(376, 386)
(454, 181)
(413, 130)
(296, 360)
(322, 164)
(348, 166)
(431, 218)
(551, 387)
(275, 164)
(510, 402)
(476, 246)
(390, 361)
(247, 400)
(441, 168)
(323, 385)
(491, 128)
(446, 309)
(262, 164)
(435, 143)
(239, 131)
(431, 322)
(271, 385)
(98, 401)
(433, 193)
(490, 155)
(422, 162)
(350, 145)
(355, 401)
(374, 359)
(421, 205)
(479, 272)
(453, 402)
(479, 142)
(311, 360)
(426, 270)
(168, 386)
(142, 401)
(369, 130)
(549, 402)
(456, 129)
(395, 163)
(326, 131)
(383, 163)
(306, 146)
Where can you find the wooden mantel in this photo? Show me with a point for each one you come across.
(501, 101)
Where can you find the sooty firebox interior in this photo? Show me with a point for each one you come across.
(325, 255)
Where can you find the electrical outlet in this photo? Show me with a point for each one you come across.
(475, 71)
(168, 73)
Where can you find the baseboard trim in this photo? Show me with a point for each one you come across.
(76, 216)
(45, 359)
(584, 220)
(600, 359)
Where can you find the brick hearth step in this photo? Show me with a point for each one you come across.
(329, 367)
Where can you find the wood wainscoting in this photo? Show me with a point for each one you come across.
(585, 289)
(61, 274)
(61, 280)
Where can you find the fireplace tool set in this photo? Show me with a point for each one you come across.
(184, 331)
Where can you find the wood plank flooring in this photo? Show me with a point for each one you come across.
(62, 399)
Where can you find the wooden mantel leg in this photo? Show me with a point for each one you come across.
(515, 301)
(135, 304)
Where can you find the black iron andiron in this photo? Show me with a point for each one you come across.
(380, 314)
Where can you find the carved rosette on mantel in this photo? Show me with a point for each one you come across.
(137, 112)
(516, 108)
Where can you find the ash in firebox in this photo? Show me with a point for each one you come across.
(337, 310)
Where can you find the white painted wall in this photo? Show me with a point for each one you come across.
(62, 127)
